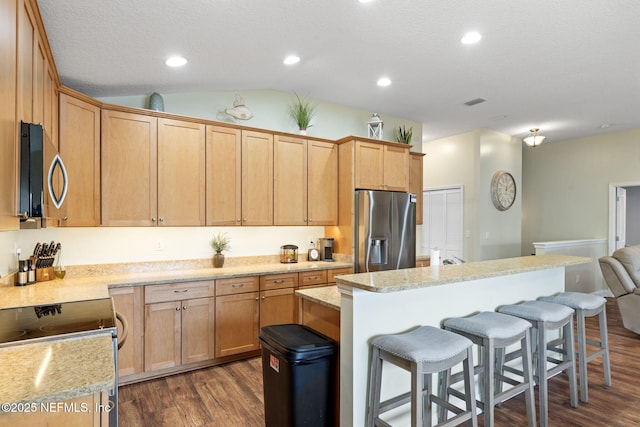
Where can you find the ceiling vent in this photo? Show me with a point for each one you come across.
(474, 102)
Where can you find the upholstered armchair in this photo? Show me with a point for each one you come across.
(621, 272)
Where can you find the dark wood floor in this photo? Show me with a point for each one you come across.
(231, 395)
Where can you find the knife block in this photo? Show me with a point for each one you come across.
(44, 274)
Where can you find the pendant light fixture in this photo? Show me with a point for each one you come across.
(534, 139)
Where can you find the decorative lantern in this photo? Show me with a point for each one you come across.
(374, 127)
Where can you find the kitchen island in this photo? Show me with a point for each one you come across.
(389, 302)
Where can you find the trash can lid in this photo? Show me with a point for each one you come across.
(296, 342)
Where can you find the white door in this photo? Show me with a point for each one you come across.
(442, 222)
(621, 217)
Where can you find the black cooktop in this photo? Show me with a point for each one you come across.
(44, 321)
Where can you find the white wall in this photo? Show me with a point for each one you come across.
(566, 186)
(471, 159)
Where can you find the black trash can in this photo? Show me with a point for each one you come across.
(298, 366)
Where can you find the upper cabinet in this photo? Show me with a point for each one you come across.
(8, 127)
(153, 171)
(415, 182)
(381, 166)
(80, 149)
(257, 178)
(224, 176)
(322, 183)
(290, 180)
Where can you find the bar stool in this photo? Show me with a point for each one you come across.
(546, 316)
(587, 305)
(423, 352)
(492, 332)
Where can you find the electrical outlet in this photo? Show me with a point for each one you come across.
(159, 246)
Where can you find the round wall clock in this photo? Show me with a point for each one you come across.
(503, 190)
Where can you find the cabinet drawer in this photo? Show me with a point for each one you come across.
(278, 281)
(178, 291)
(313, 277)
(237, 285)
(337, 271)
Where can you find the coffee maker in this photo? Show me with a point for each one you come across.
(326, 248)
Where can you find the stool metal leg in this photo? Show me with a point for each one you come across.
(417, 399)
(567, 331)
(541, 366)
(375, 384)
(527, 372)
(582, 355)
(604, 344)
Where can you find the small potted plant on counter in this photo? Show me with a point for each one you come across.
(220, 242)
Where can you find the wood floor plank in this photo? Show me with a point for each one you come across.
(232, 394)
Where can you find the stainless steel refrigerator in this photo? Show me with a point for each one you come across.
(384, 230)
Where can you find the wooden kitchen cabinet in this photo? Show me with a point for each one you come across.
(80, 150)
(237, 315)
(153, 171)
(223, 176)
(128, 301)
(381, 166)
(181, 173)
(290, 181)
(415, 182)
(322, 183)
(179, 325)
(332, 273)
(129, 159)
(257, 178)
(277, 299)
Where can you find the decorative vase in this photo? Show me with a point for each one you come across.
(303, 131)
(218, 260)
(156, 102)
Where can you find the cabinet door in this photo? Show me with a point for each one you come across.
(322, 183)
(277, 307)
(257, 178)
(198, 329)
(162, 335)
(396, 168)
(181, 173)
(289, 181)
(224, 176)
(128, 302)
(27, 33)
(80, 150)
(129, 169)
(8, 134)
(415, 182)
(237, 321)
(369, 165)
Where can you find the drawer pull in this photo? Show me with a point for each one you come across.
(237, 285)
(279, 281)
(182, 291)
(312, 277)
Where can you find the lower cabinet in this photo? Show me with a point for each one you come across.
(237, 315)
(179, 324)
(277, 298)
(128, 301)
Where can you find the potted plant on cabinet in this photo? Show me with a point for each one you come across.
(220, 242)
(404, 135)
(301, 111)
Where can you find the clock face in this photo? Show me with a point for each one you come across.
(314, 255)
(503, 190)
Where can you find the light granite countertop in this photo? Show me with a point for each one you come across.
(94, 282)
(326, 295)
(413, 278)
(57, 370)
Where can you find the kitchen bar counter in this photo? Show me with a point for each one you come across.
(390, 302)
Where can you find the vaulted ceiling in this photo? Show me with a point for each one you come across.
(569, 67)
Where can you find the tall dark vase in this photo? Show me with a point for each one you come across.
(218, 260)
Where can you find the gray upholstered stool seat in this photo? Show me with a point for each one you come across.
(587, 305)
(546, 316)
(493, 332)
(423, 352)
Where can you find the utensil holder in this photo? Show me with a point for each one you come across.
(44, 274)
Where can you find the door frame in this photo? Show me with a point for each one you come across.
(443, 188)
(613, 211)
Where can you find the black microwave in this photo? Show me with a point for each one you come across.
(43, 178)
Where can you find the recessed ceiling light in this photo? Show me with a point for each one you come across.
(175, 61)
(383, 81)
(291, 59)
(471, 38)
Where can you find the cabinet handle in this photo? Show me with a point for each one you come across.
(64, 218)
(310, 220)
(245, 219)
(264, 298)
(181, 291)
(237, 285)
(279, 281)
(153, 220)
(257, 299)
(177, 308)
(184, 307)
(238, 220)
(312, 277)
(161, 219)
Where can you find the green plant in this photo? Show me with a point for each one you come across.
(404, 135)
(302, 111)
(220, 242)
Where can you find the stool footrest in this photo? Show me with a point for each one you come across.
(395, 401)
